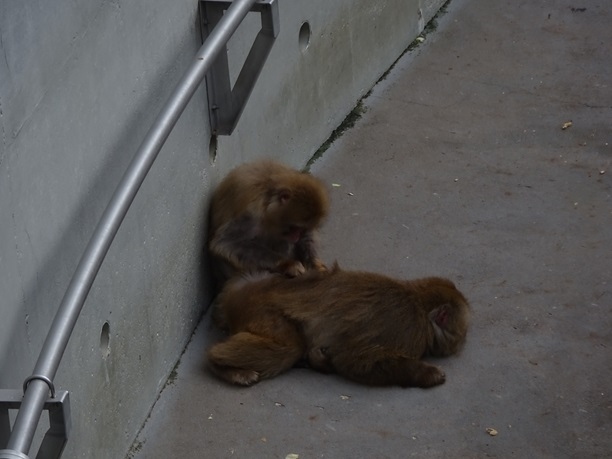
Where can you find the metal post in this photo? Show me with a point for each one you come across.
(72, 303)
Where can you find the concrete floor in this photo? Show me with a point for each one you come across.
(459, 167)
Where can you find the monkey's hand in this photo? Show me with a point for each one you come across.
(290, 268)
(318, 265)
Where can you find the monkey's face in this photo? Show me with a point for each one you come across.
(296, 225)
(293, 233)
(280, 226)
(291, 216)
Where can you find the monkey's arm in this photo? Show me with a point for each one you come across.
(306, 252)
(238, 243)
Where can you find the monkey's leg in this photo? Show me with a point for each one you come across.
(319, 360)
(218, 315)
(383, 370)
(246, 358)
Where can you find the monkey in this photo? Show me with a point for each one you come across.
(367, 327)
(264, 216)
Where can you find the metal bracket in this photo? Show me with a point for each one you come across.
(60, 423)
(225, 103)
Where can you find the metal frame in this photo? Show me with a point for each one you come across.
(36, 396)
(225, 103)
(60, 422)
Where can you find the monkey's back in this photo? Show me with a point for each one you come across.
(362, 310)
(358, 309)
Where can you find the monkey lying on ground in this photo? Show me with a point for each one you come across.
(264, 217)
(366, 327)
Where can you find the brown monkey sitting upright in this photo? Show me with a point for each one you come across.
(366, 327)
(263, 217)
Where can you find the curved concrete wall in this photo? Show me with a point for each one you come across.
(80, 84)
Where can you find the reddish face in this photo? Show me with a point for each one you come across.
(294, 234)
(292, 213)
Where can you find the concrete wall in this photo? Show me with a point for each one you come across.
(303, 95)
(80, 84)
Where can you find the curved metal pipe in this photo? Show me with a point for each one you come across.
(87, 269)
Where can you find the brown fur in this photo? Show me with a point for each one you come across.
(366, 327)
(264, 217)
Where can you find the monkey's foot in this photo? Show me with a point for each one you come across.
(238, 376)
(429, 376)
(245, 377)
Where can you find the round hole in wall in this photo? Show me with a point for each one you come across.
(304, 37)
(212, 148)
(105, 340)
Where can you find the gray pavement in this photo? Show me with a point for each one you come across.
(460, 168)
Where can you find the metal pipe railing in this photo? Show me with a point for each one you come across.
(37, 389)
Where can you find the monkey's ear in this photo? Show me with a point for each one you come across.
(439, 315)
